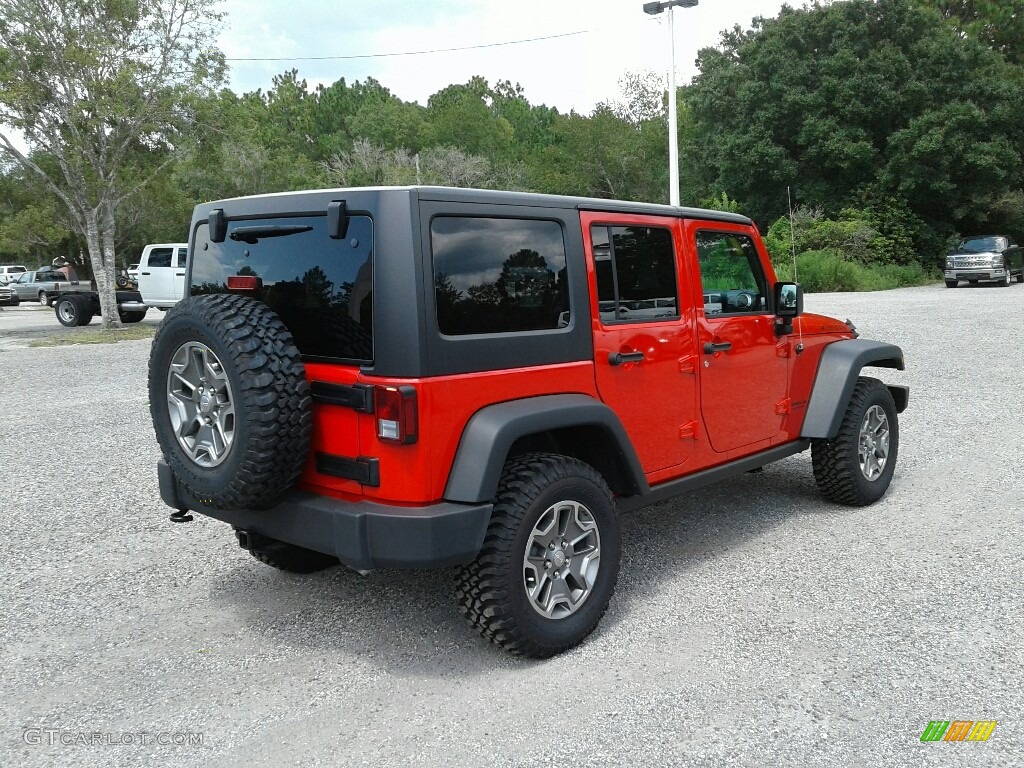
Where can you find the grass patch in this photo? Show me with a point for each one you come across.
(97, 337)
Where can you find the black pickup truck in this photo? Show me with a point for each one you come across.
(985, 258)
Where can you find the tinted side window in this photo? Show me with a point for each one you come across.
(160, 257)
(636, 273)
(498, 275)
(182, 257)
(321, 288)
(731, 275)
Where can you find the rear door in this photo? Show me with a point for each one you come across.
(156, 278)
(743, 373)
(180, 267)
(644, 342)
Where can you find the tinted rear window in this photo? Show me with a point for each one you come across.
(498, 275)
(321, 288)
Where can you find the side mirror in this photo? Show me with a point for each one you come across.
(789, 300)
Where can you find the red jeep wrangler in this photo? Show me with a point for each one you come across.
(428, 377)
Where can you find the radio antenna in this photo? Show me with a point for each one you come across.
(792, 246)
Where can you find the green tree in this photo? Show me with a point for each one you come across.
(834, 100)
(104, 88)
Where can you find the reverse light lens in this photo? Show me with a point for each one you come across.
(397, 414)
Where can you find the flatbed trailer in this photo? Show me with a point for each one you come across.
(75, 308)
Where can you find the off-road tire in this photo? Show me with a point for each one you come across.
(952, 283)
(836, 465)
(132, 317)
(73, 311)
(273, 419)
(291, 558)
(490, 591)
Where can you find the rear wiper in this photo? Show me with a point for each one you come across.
(252, 234)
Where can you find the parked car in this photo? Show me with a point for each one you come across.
(161, 276)
(7, 296)
(133, 273)
(10, 271)
(42, 285)
(985, 258)
(425, 377)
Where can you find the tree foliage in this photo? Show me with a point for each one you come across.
(841, 99)
(101, 90)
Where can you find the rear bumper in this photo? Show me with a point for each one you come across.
(363, 535)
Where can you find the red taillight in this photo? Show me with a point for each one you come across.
(397, 415)
(244, 283)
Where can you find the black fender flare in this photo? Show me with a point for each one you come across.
(840, 365)
(491, 432)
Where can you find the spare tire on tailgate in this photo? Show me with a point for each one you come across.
(230, 403)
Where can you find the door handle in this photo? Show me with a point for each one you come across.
(618, 358)
(180, 274)
(711, 347)
(146, 273)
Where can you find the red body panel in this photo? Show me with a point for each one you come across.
(683, 410)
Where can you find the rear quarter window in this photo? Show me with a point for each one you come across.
(498, 275)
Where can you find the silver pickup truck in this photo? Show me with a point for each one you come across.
(985, 258)
(42, 285)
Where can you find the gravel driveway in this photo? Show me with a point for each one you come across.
(754, 623)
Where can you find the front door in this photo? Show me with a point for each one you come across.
(743, 371)
(644, 342)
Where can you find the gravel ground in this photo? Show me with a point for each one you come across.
(754, 623)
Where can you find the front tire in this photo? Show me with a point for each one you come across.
(952, 283)
(43, 301)
(1007, 280)
(549, 561)
(132, 317)
(856, 466)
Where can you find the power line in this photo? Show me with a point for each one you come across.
(413, 53)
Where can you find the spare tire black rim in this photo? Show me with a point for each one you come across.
(201, 404)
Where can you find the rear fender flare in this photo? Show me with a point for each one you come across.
(491, 432)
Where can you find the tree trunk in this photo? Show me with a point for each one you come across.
(100, 243)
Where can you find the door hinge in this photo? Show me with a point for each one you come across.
(782, 349)
(688, 431)
(784, 406)
(688, 364)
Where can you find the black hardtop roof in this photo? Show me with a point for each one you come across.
(310, 200)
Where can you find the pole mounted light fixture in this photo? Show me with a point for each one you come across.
(653, 9)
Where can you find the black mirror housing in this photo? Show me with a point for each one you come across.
(789, 300)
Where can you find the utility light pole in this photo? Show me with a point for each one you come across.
(653, 9)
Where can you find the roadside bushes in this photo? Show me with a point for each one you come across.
(860, 250)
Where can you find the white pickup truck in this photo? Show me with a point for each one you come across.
(162, 274)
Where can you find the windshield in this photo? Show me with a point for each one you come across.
(981, 244)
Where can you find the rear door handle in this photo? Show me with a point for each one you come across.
(180, 274)
(618, 358)
(711, 347)
(146, 273)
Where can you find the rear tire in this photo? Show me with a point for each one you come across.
(73, 311)
(856, 466)
(531, 591)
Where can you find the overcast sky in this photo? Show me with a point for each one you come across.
(573, 71)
